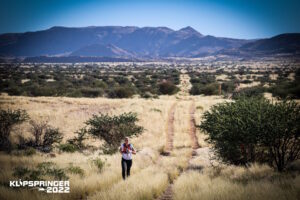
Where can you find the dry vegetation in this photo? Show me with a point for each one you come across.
(196, 176)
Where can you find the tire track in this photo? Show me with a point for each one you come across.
(168, 193)
(170, 129)
(192, 132)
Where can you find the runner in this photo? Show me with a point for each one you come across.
(126, 150)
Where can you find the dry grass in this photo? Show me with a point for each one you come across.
(69, 114)
(222, 77)
(246, 85)
(273, 76)
(230, 183)
(147, 184)
(151, 172)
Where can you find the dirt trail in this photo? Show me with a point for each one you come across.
(168, 193)
(184, 88)
(170, 129)
(194, 139)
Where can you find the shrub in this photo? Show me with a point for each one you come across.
(74, 93)
(286, 90)
(40, 171)
(44, 136)
(67, 147)
(20, 171)
(43, 91)
(246, 81)
(155, 110)
(29, 151)
(8, 119)
(23, 152)
(99, 164)
(91, 92)
(146, 95)
(15, 90)
(228, 86)
(168, 88)
(249, 92)
(112, 129)
(199, 108)
(121, 92)
(209, 89)
(254, 130)
(75, 170)
(78, 141)
(50, 169)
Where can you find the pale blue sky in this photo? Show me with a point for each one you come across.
(227, 18)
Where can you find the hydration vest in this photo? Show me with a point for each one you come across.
(125, 147)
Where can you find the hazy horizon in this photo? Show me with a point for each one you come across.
(146, 27)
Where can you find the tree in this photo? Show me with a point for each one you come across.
(44, 136)
(78, 141)
(249, 92)
(8, 119)
(282, 138)
(254, 130)
(168, 88)
(112, 129)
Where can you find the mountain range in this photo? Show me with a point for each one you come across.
(132, 42)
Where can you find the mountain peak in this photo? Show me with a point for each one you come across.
(189, 30)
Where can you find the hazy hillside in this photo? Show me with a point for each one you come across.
(142, 42)
(284, 44)
(101, 50)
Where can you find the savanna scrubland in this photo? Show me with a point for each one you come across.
(171, 151)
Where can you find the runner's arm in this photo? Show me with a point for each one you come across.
(133, 150)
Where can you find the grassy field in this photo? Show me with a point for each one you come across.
(192, 173)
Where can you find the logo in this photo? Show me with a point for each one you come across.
(44, 186)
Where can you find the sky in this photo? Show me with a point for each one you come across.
(224, 18)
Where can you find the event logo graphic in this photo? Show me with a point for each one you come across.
(44, 186)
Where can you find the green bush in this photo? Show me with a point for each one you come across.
(112, 129)
(256, 91)
(29, 151)
(209, 89)
(43, 91)
(246, 81)
(15, 90)
(121, 92)
(67, 148)
(92, 92)
(168, 88)
(75, 170)
(8, 119)
(284, 90)
(40, 172)
(228, 87)
(50, 169)
(254, 130)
